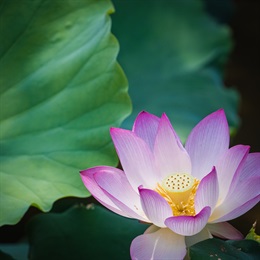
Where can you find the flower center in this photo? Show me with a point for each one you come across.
(179, 190)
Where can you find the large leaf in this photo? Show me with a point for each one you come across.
(231, 249)
(90, 232)
(18, 251)
(61, 90)
(173, 54)
(5, 256)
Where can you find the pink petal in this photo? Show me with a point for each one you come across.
(235, 203)
(189, 225)
(243, 191)
(238, 211)
(155, 207)
(90, 183)
(228, 165)
(224, 230)
(162, 244)
(208, 140)
(136, 158)
(118, 189)
(130, 212)
(208, 191)
(145, 126)
(170, 156)
(202, 235)
(251, 168)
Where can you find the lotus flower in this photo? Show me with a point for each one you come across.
(187, 194)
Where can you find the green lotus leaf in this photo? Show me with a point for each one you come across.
(90, 232)
(174, 55)
(60, 91)
(5, 256)
(231, 249)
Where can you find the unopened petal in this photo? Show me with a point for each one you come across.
(122, 193)
(170, 156)
(136, 158)
(162, 244)
(208, 192)
(207, 142)
(189, 225)
(155, 207)
(224, 230)
(87, 177)
(145, 126)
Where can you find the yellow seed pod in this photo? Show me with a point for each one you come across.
(178, 186)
